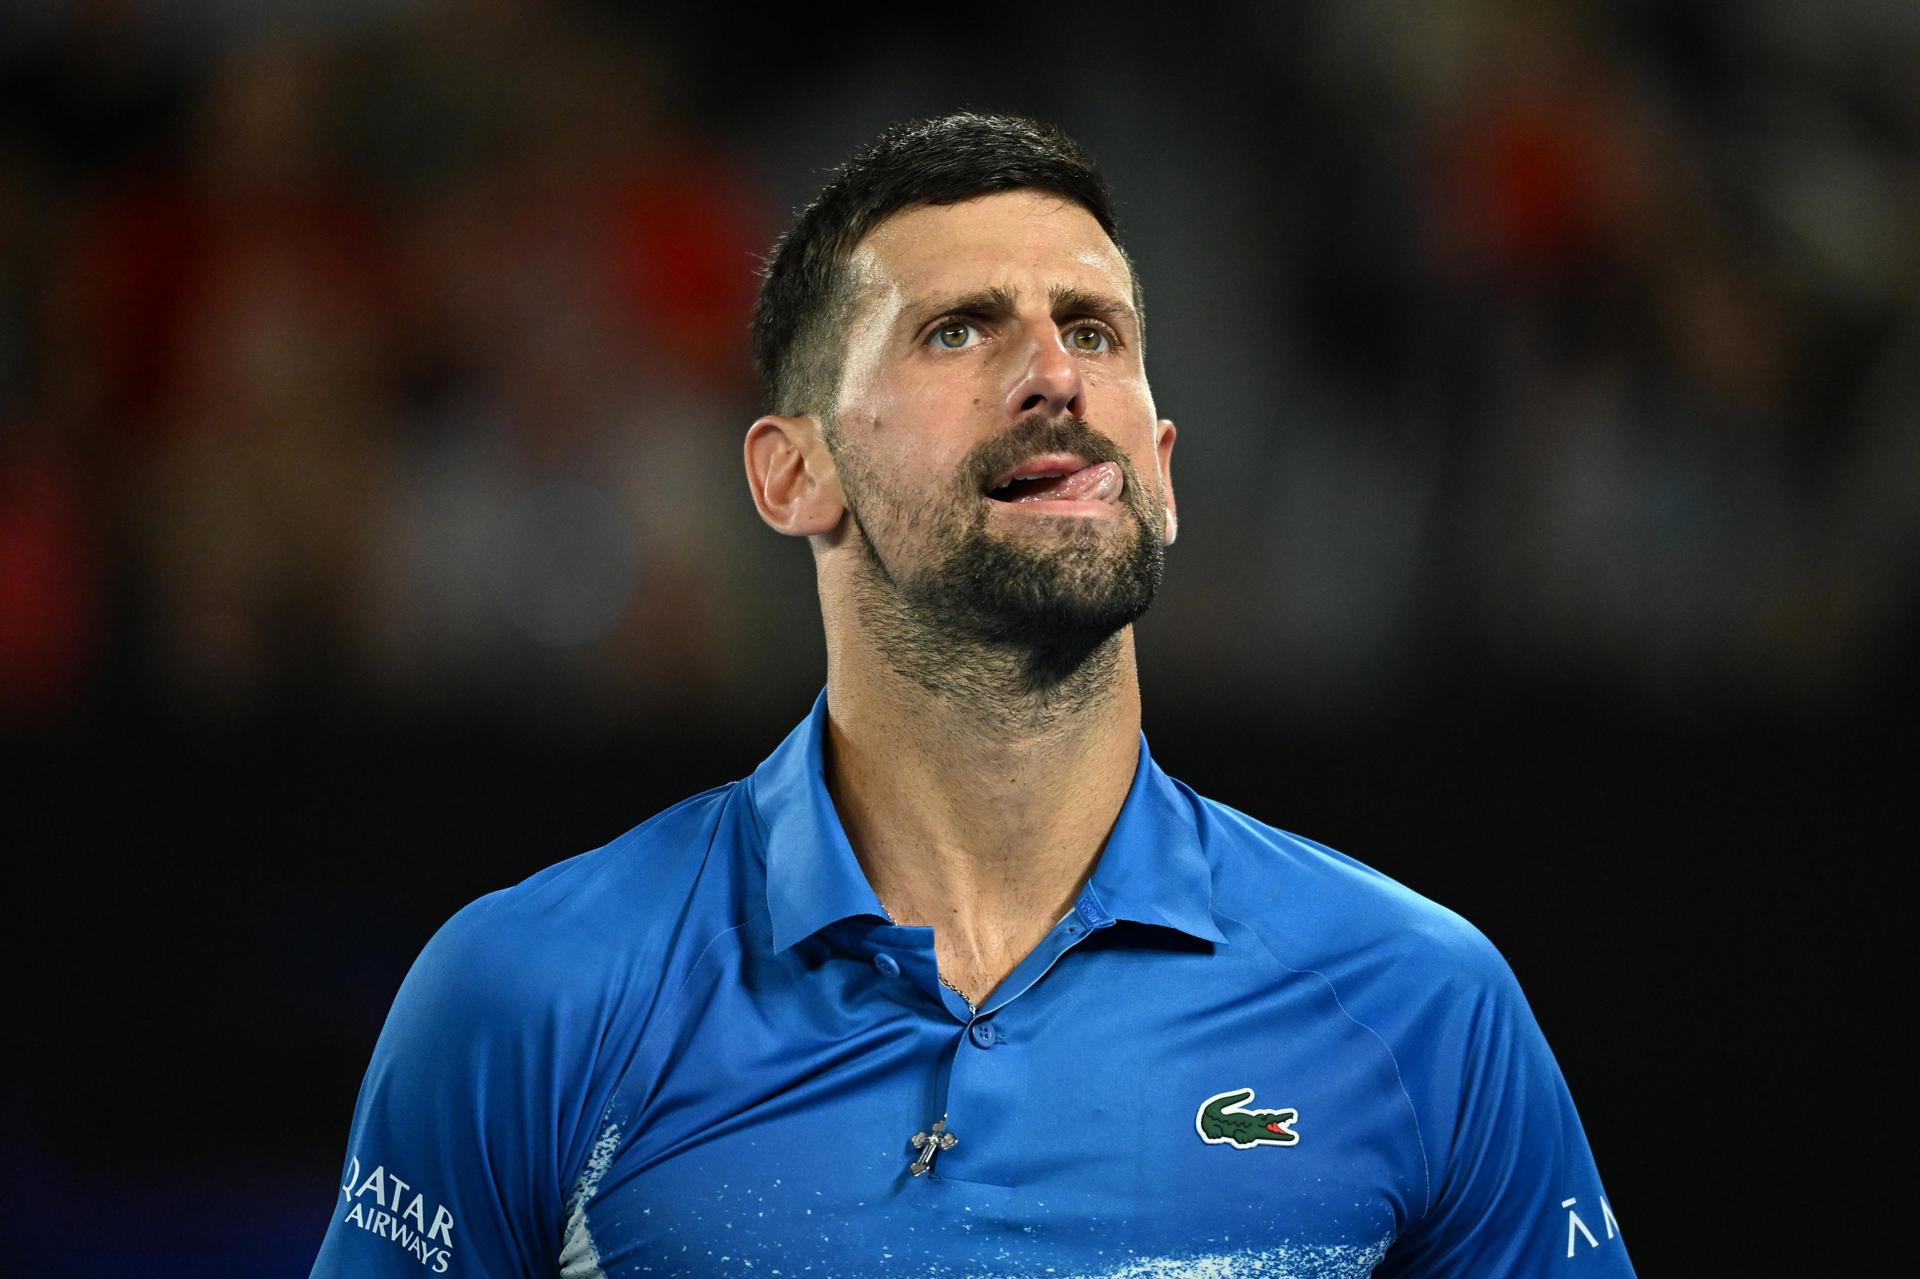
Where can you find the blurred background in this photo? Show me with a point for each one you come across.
(373, 533)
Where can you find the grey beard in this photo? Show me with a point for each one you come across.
(1040, 617)
(1010, 630)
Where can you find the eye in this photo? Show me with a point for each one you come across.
(1088, 337)
(951, 335)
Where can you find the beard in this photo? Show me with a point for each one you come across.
(986, 599)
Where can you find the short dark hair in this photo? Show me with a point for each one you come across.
(809, 291)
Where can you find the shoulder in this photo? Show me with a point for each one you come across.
(1317, 907)
(518, 1018)
(585, 929)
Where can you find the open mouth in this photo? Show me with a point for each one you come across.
(1058, 478)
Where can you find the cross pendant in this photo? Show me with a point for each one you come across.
(931, 1144)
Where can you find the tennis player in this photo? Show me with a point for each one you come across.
(959, 981)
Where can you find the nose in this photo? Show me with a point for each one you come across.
(1049, 381)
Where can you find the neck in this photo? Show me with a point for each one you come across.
(978, 791)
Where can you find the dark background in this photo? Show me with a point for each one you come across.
(372, 531)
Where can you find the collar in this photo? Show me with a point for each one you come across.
(1152, 871)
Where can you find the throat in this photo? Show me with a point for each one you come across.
(987, 841)
(974, 953)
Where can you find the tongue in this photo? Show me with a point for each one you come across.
(1099, 482)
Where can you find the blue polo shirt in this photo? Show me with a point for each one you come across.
(704, 1050)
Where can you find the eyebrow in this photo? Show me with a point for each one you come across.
(1064, 300)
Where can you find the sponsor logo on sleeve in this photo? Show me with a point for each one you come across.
(1577, 1228)
(380, 1203)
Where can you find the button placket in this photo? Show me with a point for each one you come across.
(977, 1084)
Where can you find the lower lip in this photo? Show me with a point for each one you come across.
(1059, 506)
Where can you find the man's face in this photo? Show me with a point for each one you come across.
(996, 439)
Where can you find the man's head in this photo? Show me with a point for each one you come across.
(812, 283)
(953, 336)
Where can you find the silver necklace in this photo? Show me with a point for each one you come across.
(973, 1009)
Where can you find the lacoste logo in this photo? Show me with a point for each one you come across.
(1223, 1121)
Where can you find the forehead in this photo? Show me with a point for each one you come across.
(1027, 240)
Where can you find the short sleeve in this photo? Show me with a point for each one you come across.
(453, 1164)
(1516, 1192)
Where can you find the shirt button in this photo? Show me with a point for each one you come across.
(983, 1034)
(887, 964)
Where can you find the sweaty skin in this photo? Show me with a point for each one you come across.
(1221, 1120)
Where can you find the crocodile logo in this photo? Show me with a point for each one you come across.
(1223, 1121)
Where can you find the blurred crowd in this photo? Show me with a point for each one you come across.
(400, 359)
(394, 361)
(1631, 297)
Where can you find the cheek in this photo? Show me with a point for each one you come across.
(924, 432)
(937, 408)
(1129, 415)
(901, 471)
(1123, 392)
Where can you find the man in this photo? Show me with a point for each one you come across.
(958, 982)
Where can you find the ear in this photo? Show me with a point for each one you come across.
(792, 477)
(1163, 437)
